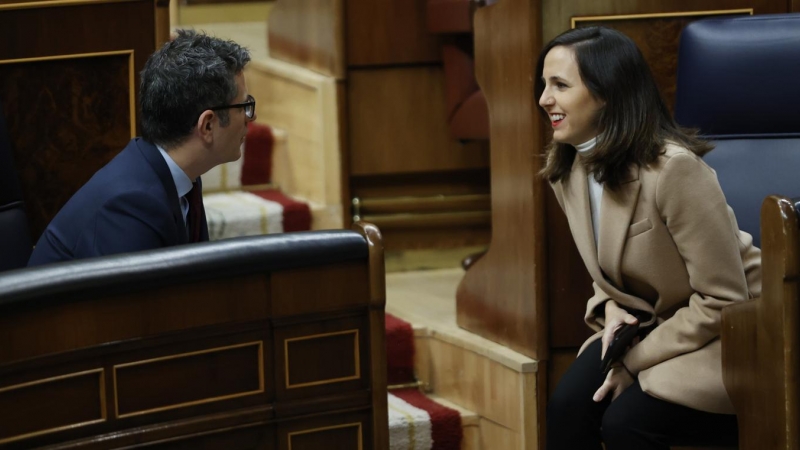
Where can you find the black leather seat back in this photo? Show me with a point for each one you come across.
(738, 84)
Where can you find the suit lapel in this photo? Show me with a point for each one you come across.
(579, 215)
(616, 210)
(156, 161)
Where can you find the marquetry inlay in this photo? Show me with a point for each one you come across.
(356, 366)
(183, 362)
(356, 425)
(59, 389)
(52, 3)
(721, 12)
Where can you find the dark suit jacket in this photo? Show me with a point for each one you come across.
(130, 204)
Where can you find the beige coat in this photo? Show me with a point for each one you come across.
(669, 244)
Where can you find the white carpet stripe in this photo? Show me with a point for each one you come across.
(232, 214)
(409, 427)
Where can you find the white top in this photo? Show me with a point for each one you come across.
(595, 190)
(182, 182)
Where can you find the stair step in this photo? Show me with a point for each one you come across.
(470, 423)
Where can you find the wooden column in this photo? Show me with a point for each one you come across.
(502, 296)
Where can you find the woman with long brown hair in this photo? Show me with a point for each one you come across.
(660, 242)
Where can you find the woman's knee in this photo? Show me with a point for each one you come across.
(616, 424)
(568, 404)
(625, 426)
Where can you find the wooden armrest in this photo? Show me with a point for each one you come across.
(739, 361)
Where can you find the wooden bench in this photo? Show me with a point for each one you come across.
(260, 342)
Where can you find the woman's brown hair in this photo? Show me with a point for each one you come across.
(634, 124)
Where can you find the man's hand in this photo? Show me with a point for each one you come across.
(615, 317)
(617, 380)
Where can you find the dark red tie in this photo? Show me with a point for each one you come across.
(195, 199)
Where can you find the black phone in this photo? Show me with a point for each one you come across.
(623, 338)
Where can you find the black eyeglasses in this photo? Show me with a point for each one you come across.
(249, 107)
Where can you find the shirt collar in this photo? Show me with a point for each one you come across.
(587, 146)
(182, 182)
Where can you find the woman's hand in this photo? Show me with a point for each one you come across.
(617, 380)
(615, 317)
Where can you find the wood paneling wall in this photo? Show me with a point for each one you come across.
(398, 124)
(68, 79)
(389, 32)
(309, 33)
(393, 118)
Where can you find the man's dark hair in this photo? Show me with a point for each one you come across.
(634, 124)
(183, 78)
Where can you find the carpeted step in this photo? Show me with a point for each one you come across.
(399, 351)
(415, 420)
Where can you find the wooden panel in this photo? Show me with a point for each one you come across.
(377, 334)
(398, 124)
(446, 220)
(498, 436)
(760, 339)
(383, 32)
(309, 33)
(32, 402)
(247, 437)
(336, 355)
(322, 358)
(348, 431)
(217, 2)
(480, 384)
(560, 360)
(181, 380)
(308, 107)
(69, 117)
(345, 437)
(315, 289)
(462, 182)
(569, 285)
(162, 22)
(241, 429)
(95, 94)
(560, 12)
(453, 237)
(658, 37)
(65, 28)
(33, 331)
(502, 296)
(439, 203)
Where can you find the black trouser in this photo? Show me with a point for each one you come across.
(634, 420)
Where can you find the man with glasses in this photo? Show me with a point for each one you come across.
(194, 114)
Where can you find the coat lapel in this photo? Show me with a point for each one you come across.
(616, 210)
(579, 215)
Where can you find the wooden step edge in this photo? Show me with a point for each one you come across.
(468, 418)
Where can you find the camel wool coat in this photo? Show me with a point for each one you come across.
(669, 245)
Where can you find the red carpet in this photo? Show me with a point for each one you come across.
(445, 429)
(399, 350)
(445, 422)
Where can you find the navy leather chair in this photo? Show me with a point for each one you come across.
(739, 84)
(15, 240)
